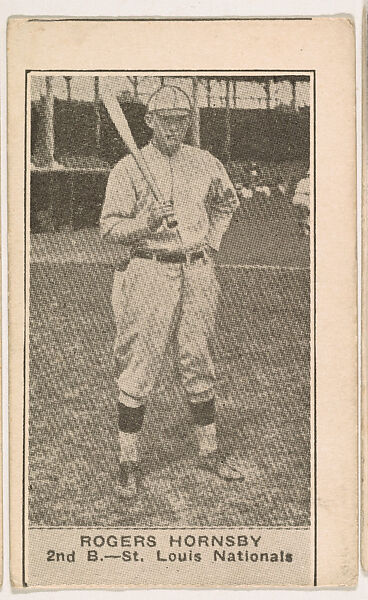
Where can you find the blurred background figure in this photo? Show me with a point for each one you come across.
(244, 192)
(260, 190)
(282, 188)
(301, 199)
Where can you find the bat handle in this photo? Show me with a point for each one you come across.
(171, 222)
(170, 219)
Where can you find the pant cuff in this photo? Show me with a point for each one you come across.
(131, 401)
(204, 396)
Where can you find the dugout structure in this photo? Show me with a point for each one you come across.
(74, 143)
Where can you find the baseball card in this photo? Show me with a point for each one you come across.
(182, 303)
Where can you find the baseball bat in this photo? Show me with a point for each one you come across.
(118, 118)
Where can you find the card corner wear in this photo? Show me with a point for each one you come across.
(185, 418)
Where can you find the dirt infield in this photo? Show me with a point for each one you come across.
(263, 407)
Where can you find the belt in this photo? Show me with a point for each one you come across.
(169, 257)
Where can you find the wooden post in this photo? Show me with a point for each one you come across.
(227, 148)
(196, 119)
(136, 93)
(134, 81)
(68, 87)
(97, 110)
(49, 122)
(69, 222)
(293, 89)
(208, 92)
(268, 93)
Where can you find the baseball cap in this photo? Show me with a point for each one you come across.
(169, 99)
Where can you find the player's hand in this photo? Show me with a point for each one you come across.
(211, 252)
(157, 216)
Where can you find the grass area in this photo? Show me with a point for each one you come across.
(262, 358)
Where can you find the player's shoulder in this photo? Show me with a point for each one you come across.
(193, 150)
(124, 166)
(124, 162)
(199, 154)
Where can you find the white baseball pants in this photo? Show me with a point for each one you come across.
(153, 301)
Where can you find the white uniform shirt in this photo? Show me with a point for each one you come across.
(184, 180)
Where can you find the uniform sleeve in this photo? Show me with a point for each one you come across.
(119, 219)
(221, 203)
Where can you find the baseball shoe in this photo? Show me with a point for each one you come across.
(222, 466)
(128, 479)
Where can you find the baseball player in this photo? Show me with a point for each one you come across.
(169, 287)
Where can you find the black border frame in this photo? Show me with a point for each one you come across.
(27, 133)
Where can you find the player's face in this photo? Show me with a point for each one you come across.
(169, 130)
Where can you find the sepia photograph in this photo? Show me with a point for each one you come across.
(169, 326)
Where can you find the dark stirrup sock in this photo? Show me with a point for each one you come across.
(203, 413)
(130, 419)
